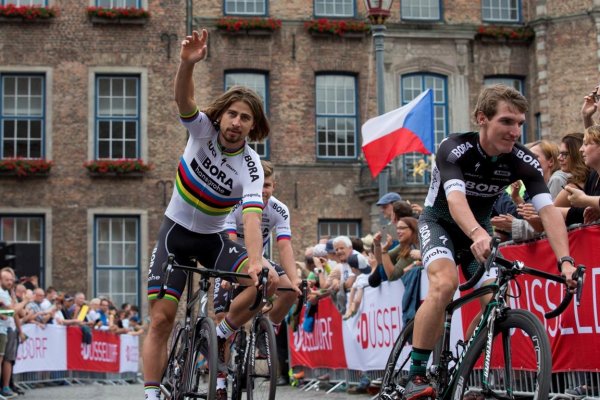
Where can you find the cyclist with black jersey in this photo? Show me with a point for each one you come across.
(216, 171)
(471, 171)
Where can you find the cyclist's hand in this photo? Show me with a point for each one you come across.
(193, 48)
(567, 271)
(254, 271)
(272, 282)
(296, 283)
(481, 245)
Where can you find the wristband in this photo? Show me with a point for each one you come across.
(473, 231)
(561, 260)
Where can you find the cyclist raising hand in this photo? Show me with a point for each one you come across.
(216, 171)
(471, 171)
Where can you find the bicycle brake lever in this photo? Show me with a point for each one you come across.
(579, 272)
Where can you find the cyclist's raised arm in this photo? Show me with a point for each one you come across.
(556, 230)
(193, 49)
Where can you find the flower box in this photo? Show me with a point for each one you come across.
(21, 167)
(118, 15)
(505, 33)
(11, 12)
(130, 167)
(250, 26)
(335, 27)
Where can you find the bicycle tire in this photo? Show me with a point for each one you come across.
(261, 376)
(237, 369)
(202, 370)
(536, 382)
(172, 377)
(395, 374)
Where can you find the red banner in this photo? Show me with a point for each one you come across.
(575, 334)
(102, 355)
(324, 346)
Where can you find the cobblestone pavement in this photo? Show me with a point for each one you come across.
(136, 391)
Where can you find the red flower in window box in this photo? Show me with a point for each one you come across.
(22, 167)
(337, 27)
(118, 13)
(117, 166)
(232, 24)
(28, 13)
(524, 33)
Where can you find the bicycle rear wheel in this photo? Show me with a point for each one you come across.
(204, 360)
(237, 368)
(171, 383)
(261, 377)
(521, 361)
(396, 370)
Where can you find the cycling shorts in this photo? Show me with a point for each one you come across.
(212, 250)
(440, 239)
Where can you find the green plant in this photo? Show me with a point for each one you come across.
(515, 33)
(119, 166)
(117, 12)
(232, 24)
(27, 12)
(336, 27)
(25, 167)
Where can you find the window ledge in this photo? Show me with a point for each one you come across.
(346, 35)
(28, 175)
(248, 32)
(21, 20)
(118, 21)
(118, 175)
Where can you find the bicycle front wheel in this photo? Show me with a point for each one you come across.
(203, 365)
(261, 375)
(521, 362)
(171, 383)
(396, 367)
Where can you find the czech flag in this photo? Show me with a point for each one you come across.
(408, 129)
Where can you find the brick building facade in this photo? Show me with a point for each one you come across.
(77, 88)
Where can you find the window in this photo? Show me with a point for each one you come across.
(256, 81)
(334, 8)
(515, 82)
(22, 116)
(333, 228)
(26, 232)
(25, 2)
(501, 10)
(117, 117)
(421, 9)
(118, 3)
(117, 260)
(246, 7)
(337, 117)
(411, 85)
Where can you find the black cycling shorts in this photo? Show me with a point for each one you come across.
(440, 239)
(212, 250)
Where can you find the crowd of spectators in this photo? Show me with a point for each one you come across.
(23, 302)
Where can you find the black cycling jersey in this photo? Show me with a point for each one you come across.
(461, 164)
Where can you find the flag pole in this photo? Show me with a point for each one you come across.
(378, 38)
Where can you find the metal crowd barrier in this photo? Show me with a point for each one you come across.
(31, 380)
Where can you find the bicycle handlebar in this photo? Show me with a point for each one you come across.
(515, 268)
(261, 295)
(482, 267)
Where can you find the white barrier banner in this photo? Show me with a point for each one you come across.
(44, 350)
(129, 353)
(370, 334)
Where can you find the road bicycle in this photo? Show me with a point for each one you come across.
(190, 374)
(471, 370)
(253, 358)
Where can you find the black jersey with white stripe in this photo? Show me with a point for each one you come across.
(461, 164)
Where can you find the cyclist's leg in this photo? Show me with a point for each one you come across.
(162, 312)
(284, 300)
